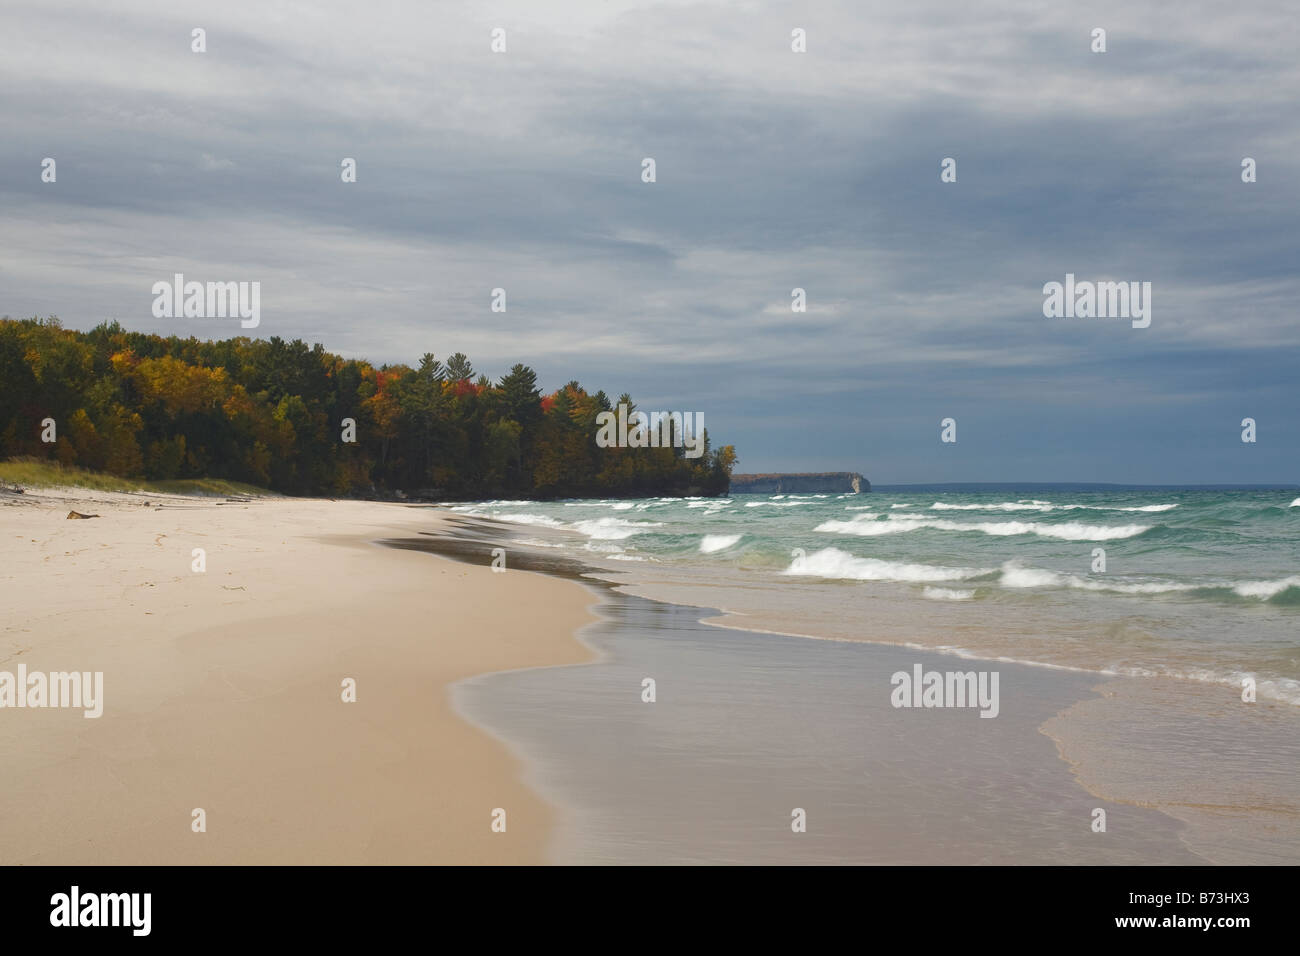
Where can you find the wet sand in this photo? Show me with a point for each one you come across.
(746, 727)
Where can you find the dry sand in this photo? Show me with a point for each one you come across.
(223, 689)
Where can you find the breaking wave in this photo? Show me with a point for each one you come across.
(1066, 531)
(834, 563)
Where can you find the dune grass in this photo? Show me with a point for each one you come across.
(36, 473)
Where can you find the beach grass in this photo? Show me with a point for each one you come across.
(27, 472)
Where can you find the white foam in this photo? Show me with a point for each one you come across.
(1000, 506)
(601, 547)
(1266, 589)
(613, 529)
(1281, 689)
(1067, 531)
(947, 594)
(1016, 576)
(542, 520)
(1044, 506)
(712, 543)
(865, 528)
(834, 563)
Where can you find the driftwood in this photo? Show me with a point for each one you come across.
(78, 514)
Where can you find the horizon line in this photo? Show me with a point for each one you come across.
(1256, 486)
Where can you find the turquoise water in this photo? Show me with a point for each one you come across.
(1198, 585)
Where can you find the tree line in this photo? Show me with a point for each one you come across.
(274, 413)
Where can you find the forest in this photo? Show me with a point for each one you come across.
(275, 414)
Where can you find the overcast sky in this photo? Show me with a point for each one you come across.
(775, 170)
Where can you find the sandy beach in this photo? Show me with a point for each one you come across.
(223, 690)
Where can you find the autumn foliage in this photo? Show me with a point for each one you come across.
(270, 413)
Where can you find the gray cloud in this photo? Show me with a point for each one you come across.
(775, 170)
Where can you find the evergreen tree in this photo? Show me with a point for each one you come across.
(271, 413)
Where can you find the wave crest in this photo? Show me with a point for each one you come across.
(834, 563)
(1066, 531)
(712, 543)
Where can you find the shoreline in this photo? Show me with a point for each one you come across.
(697, 786)
(222, 689)
(468, 538)
(1222, 819)
(222, 692)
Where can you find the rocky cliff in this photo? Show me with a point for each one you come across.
(821, 482)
